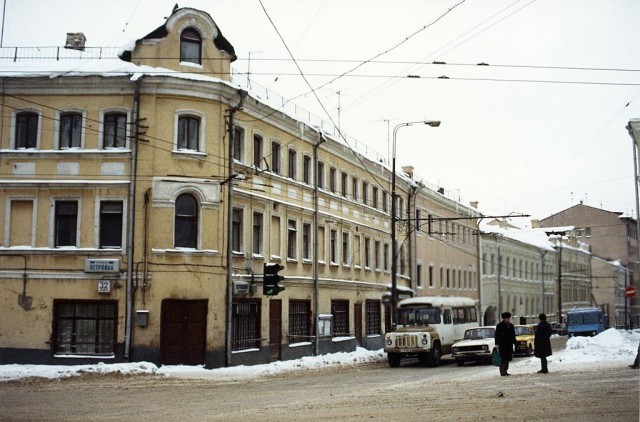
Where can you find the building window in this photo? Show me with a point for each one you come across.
(373, 319)
(115, 130)
(186, 222)
(385, 206)
(26, 130)
(376, 255)
(306, 169)
(84, 327)
(306, 241)
(111, 224)
(385, 258)
(374, 197)
(238, 143)
(431, 276)
(188, 133)
(257, 151)
(333, 246)
(292, 240)
(70, 130)
(333, 182)
(418, 222)
(293, 156)
(257, 234)
(365, 193)
(354, 189)
(66, 223)
(345, 249)
(21, 222)
(275, 157)
(367, 252)
(340, 313)
(190, 46)
(236, 230)
(299, 321)
(320, 175)
(275, 246)
(245, 321)
(345, 184)
(419, 275)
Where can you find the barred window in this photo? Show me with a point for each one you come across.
(84, 327)
(373, 317)
(340, 313)
(245, 320)
(299, 321)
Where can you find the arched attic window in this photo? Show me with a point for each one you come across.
(191, 46)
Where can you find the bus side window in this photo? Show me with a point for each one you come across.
(458, 316)
(446, 317)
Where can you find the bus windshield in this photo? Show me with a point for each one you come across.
(418, 316)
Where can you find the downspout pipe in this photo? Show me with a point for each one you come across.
(128, 329)
(316, 287)
(229, 263)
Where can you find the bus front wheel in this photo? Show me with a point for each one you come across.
(394, 359)
(434, 356)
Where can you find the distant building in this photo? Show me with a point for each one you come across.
(611, 236)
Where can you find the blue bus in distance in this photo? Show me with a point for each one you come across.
(585, 322)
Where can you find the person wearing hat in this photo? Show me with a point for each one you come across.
(542, 342)
(505, 340)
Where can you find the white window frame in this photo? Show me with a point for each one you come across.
(96, 220)
(7, 217)
(56, 129)
(52, 220)
(12, 133)
(201, 131)
(101, 129)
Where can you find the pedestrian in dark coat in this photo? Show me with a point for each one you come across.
(505, 340)
(542, 342)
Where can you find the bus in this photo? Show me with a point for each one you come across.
(427, 327)
(585, 322)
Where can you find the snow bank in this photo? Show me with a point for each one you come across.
(611, 347)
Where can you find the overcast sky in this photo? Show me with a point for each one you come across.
(538, 130)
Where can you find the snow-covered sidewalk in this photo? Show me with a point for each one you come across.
(610, 348)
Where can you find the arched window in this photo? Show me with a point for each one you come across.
(186, 222)
(190, 46)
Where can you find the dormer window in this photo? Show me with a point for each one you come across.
(191, 46)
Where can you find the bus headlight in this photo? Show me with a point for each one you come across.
(425, 340)
(389, 341)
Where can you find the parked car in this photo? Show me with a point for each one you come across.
(525, 335)
(476, 345)
(559, 329)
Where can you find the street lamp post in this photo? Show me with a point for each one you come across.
(394, 242)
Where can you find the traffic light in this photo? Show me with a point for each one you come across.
(270, 285)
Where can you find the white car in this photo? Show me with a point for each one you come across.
(476, 346)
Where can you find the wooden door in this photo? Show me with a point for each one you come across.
(357, 320)
(183, 332)
(275, 329)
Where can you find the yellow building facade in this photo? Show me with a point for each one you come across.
(142, 196)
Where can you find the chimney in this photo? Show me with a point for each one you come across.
(535, 224)
(75, 41)
(408, 170)
(474, 204)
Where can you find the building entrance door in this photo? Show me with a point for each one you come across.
(275, 329)
(183, 332)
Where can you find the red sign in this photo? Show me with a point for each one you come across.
(630, 292)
